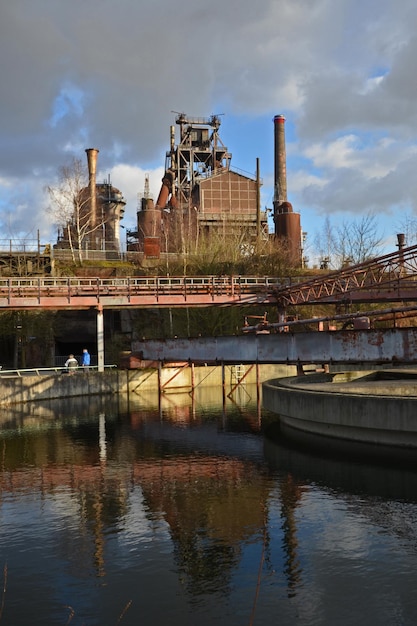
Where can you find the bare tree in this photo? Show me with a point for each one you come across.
(325, 243)
(408, 226)
(70, 207)
(349, 243)
(358, 241)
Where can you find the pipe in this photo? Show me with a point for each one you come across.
(401, 241)
(258, 204)
(400, 244)
(172, 139)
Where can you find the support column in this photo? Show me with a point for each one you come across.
(159, 377)
(258, 396)
(100, 338)
(223, 383)
(192, 376)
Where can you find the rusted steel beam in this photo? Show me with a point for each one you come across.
(391, 277)
(390, 314)
(393, 346)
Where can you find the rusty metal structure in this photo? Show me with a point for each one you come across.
(384, 346)
(287, 222)
(201, 195)
(99, 210)
(25, 258)
(136, 292)
(389, 278)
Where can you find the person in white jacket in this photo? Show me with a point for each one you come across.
(71, 364)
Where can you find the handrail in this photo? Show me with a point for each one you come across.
(38, 371)
(137, 280)
(132, 284)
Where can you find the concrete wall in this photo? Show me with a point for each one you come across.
(23, 389)
(179, 378)
(15, 390)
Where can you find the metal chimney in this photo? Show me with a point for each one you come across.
(401, 245)
(401, 241)
(280, 182)
(287, 223)
(92, 173)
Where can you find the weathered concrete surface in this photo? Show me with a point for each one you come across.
(25, 389)
(182, 378)
(15, 390)
(374, 407)
(396, 345)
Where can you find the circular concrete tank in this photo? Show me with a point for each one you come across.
(377, 407)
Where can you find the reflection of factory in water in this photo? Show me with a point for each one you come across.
(202, 198)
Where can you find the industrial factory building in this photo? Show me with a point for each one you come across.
(201, 195)
(202, 199)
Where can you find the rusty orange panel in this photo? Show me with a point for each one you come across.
(152, 247)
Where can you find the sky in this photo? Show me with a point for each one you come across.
(111, 74)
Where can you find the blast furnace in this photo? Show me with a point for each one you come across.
(201, 196)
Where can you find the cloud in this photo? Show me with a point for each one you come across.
(109, 74)
(131, 181)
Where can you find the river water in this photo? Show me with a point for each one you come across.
(181, 511)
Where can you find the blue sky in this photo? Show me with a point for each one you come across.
(109, 75)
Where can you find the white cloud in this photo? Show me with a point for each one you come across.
(341, 153)
(130, 180)
(371, 84)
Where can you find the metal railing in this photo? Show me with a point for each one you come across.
(151, 285)
(11, 246)
(45, 371)
(143, 281)
(60, 360)
(106, 254)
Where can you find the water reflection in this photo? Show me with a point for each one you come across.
(177, 509)
(351, 467)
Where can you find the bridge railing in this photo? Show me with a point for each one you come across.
(151, 285)
(46, 371)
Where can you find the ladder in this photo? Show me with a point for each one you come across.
(237, 373)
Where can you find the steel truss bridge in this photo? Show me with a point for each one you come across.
(388, 279)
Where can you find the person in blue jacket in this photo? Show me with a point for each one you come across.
(86, 359)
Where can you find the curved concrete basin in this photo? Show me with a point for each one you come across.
(378, 407)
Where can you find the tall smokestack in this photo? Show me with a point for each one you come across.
(92, 173)
(280, 182)
(287, 223)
